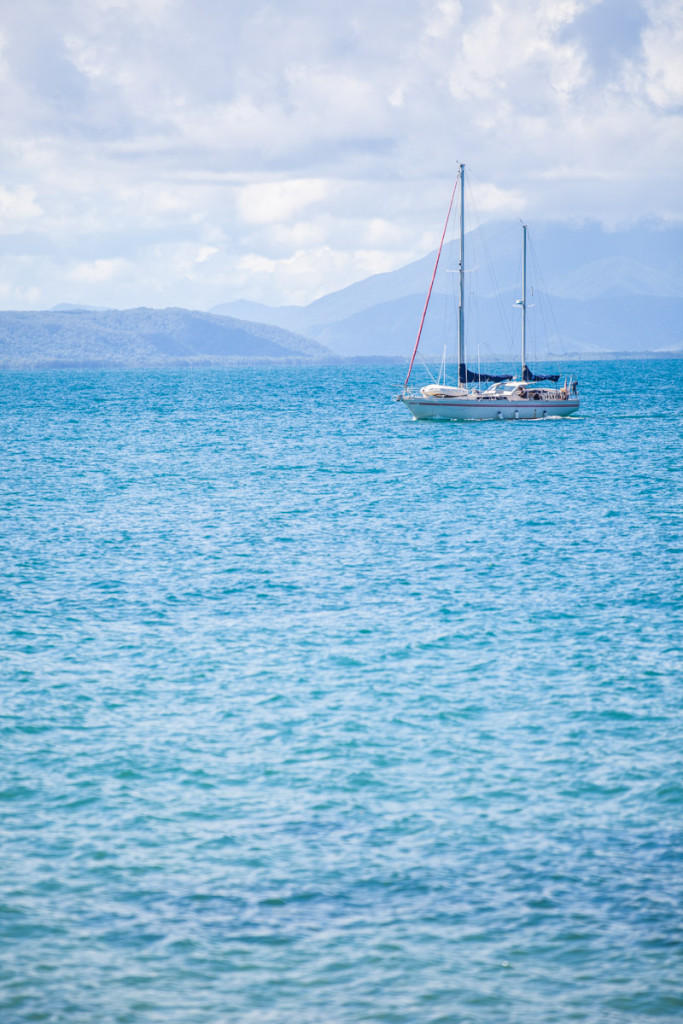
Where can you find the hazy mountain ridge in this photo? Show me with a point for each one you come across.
(633, 324)
(619, 291)
(144, 337)
(618, 276)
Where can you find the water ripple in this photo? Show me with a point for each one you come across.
(312, 713)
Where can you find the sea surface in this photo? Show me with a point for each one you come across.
(315, 714)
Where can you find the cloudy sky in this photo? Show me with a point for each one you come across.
(190, 152)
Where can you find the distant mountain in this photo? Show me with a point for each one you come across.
(630, 324)
(144, 337)
(618, 276)
(607, 291)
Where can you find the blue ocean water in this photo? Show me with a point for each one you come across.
(314, 714)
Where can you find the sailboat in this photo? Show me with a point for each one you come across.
(507, 397)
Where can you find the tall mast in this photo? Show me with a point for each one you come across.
(461, 308)
(523, 300)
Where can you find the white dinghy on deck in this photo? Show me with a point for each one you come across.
(506, 398)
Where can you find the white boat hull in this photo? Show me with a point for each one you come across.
(424, 408)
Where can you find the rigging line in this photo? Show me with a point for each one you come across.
(545, 305)
(426, 367)
(429, 293)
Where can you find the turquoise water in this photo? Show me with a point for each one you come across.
(313, 714)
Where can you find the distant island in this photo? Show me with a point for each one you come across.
(78, 337)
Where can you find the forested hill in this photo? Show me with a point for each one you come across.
(144, 337)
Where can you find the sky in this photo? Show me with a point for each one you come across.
(194, 152)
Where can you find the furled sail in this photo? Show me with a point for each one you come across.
(466, 376)
(528, 376)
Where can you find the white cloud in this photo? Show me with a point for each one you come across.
(307, 270)
(97, 271)
(176, 151)
(518, 49)
(205, 253)
(271, 202)
(442, 18)
(85, 57)
(17, 205)
(150, 9)
(492, 201)
(663, 50)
